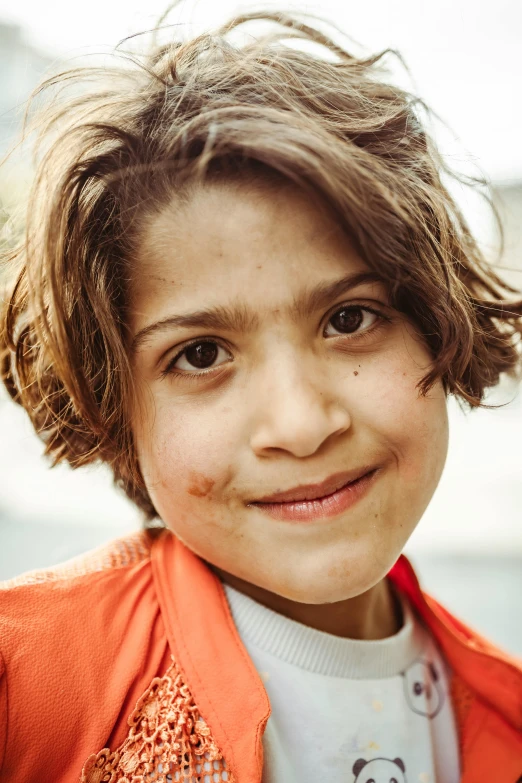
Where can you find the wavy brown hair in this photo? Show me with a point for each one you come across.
(119, 148)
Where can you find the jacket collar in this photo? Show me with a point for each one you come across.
(206, 645)
(492, 674)
(225, 685)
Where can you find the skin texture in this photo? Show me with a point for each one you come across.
(286, 403)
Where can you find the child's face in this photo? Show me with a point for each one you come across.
(295, 389)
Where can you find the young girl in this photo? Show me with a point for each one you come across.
(245, 287)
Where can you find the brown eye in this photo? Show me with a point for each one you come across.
(202, 355)
(348, 319)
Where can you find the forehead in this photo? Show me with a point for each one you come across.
(231, 242)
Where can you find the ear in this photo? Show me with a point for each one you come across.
(400, 764)
(434, 672)
(359, 764)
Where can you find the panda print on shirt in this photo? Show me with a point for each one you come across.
(423, 689)
(379, 771)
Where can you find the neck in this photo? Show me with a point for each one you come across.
(375, 614)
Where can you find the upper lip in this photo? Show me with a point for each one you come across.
(315, 491)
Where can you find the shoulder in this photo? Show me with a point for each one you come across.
(107, 558)
(442, 622)
(80, 633)
(42, 604)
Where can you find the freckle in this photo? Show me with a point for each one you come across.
(355, 372)
(200, 486)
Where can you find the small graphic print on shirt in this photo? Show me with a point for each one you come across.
(379, 771)
(423, 688)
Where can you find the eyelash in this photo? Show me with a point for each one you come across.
(169, 371)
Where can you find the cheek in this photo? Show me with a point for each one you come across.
(184, 457)
(411, 427)
(187, 459)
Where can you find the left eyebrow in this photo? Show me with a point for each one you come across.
(319, 298)
(240, 319)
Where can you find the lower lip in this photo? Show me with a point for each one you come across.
(319, 508)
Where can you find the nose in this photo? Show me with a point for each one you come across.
(297, 411)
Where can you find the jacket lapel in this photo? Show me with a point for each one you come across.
(493, 675)
(486, 692)
(204, 641)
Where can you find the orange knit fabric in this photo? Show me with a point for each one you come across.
(125, 665)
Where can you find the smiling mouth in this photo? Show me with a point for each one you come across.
(314, 501)
(319, 490)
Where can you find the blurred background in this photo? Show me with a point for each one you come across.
(464, 60)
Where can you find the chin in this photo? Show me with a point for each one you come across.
(338, 584)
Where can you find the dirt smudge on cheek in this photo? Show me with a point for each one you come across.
(200, 486)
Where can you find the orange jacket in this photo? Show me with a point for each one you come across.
(125, 662)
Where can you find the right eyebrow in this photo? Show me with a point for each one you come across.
(236, 319)
(241, 319)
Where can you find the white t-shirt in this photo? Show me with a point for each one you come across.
(350, 711)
